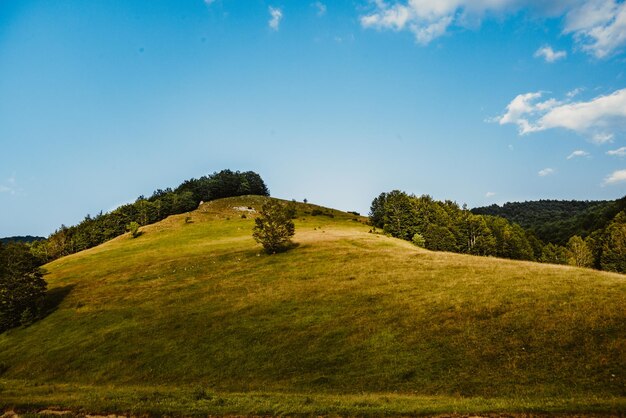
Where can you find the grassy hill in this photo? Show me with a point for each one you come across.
(192, 318)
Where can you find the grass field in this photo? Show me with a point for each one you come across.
(192, 318)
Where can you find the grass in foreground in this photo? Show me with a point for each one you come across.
(165, 400)
(344, 313)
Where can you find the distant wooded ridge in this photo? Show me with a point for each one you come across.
(21, 238)
(556, 221)
(582, 234)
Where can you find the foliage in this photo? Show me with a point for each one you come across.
(579, 253)
(22, 287)
(418, 240)
(613, 256)
(557, 220)
(444, 226)
(274, 227)
(133, 228)
(554, 254)
(95, 230)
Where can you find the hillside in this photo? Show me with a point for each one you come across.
(557, 220)
(191, 318)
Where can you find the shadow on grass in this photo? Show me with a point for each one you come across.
(53, 299)
(284, 248)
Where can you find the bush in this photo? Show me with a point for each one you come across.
(133, 228)
(273, 228)
(418, 240)
(22, 287)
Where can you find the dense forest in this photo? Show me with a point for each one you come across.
(94, 230)
(556, 221)
(599, 243)
(21, 238)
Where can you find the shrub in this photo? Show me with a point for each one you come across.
(133, 228)
(273, 228)
(418, 240)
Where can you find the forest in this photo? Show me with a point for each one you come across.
(556, 221)
(444, 226)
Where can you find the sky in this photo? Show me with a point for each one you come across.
(476, 101)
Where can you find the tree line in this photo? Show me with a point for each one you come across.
(94, 230)
(444, 226)
(556, 221)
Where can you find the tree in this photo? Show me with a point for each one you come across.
(578, 252)
(22, 287)
(439, 238)
(554, 254)
(613, 256)
(273, 228)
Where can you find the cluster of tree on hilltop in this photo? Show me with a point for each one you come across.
(556, 221)
(94, 230)
(445, 226)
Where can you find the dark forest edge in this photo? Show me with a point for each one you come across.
(444, 226)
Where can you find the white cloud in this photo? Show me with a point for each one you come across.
(618, 176)
(598, 119)
(578, 153)
(602, 137)
(490, 194)
(321, 8)
(550, 55)
(5, 189)
(597, 26)
(545, 172)
(276, 16)
(620, 152)
(573, 93)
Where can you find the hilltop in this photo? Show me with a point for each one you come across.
(192, 318)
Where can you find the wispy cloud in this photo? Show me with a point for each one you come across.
(618, 176)
(9, 185)
(550, 55)
(490, 194)
(598, 119)
(578, 153)
(546, 172)
(620, 152)
(597, 26)
(320, 7)
(276, 16)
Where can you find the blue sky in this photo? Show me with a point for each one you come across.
(335, 101)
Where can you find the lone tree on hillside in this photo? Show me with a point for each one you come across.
(273, 228)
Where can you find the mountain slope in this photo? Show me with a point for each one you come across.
(344, 312)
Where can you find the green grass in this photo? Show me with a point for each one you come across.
(347, 322)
